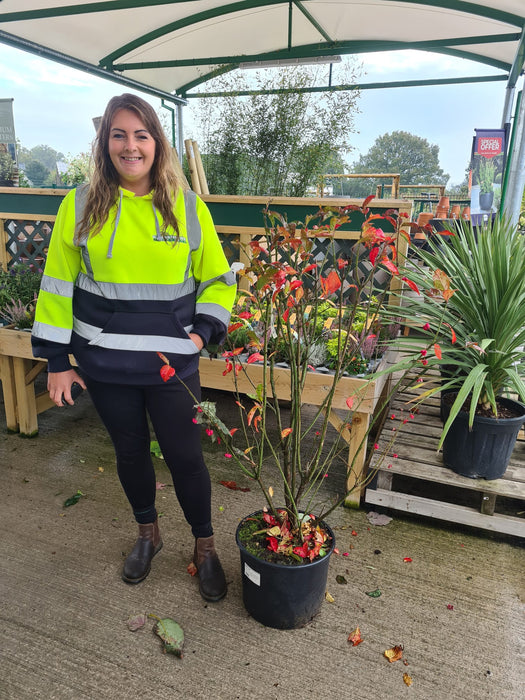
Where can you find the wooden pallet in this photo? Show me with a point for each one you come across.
(419, 467)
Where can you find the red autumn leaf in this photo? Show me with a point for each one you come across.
(286, 432)
(301, 551)
(286, 315)
(355, 637)
(413, 286)
(331, 283)
(367, 201)
(374, 252)
(273, 544)
(191, 569)
(394, 654)
(163, 358)
(350, 401)
(233, 431)
(437, 350)
(252, 412)
(390, 266)
(295, 284)
(229, 367)
(452, 332)
(232, 485)
(311, 267)
(166, 372)
(234, 326)
(254, 357)
(245, 315)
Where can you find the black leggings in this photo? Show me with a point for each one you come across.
(123, 409)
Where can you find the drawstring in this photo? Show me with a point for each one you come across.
(117, 219)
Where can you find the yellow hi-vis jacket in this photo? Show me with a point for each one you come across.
(123, 295)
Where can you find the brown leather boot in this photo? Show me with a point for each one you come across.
(138, 562)
(212, 582)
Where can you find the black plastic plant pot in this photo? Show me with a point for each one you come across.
(280, 595)
(483, 452)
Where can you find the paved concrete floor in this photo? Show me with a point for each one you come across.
(457, 608)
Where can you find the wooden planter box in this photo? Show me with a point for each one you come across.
(18, 371)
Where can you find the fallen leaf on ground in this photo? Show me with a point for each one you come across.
(340, 579)
(407, 560)
(191, 569)
(378, 518)
(159, 486)
(233, 486)
(101, 469)
(136, 622)
(155, 450)
(374, 594)
(329, 597)
(355, 637)
(172, 635)
(394, 654)
(407, 679)
(73, 499)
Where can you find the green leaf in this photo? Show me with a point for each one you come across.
(171, 634)
(341, 579)
(374, 594)
(73, 499)
(154, 448)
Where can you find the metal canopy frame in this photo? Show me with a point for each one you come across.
(169, 48)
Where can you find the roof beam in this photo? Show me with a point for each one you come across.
(65, 60)
(346, 47)
(518, 63)
(80, 9)
(312, 20)
(472, 8)
(363, 86)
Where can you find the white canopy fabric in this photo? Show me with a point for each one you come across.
(168, 47)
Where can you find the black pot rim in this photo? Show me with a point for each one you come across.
(510, 403)
(277, 565)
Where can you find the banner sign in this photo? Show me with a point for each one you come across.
(486, 171)
(7, 143)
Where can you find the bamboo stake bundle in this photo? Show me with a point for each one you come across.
(195, 182)
(200, 168)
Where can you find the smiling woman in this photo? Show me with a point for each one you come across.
(132, 151)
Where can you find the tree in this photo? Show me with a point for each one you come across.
(274, 144)
(36, 172)
(78, 169)
(413, 157)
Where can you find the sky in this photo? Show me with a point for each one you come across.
(55, 105)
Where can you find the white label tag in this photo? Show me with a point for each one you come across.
(254, 576)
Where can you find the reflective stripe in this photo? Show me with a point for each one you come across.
(218, 312)
(81, 193)
(135, 292)
(193, 225)
(140, 343)
(54, 333)
(228, 278)
(56, 286)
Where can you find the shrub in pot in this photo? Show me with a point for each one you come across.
(479, 335)
(285, 547)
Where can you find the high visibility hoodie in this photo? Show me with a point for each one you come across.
(123, 295)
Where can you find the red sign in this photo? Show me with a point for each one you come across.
(489, 146)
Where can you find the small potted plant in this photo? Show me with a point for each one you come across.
(479, 335)
(486, 184)
(19, 287)
(295, 300)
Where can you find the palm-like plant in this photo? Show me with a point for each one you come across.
(480, 326)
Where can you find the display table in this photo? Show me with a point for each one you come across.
(18, 371)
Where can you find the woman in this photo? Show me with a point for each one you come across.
(134, 268)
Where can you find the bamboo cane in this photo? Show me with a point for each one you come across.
(195, 182)
(200, 168)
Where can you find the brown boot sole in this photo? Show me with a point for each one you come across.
(133, 581)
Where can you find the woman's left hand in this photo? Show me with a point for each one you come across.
(197, 340)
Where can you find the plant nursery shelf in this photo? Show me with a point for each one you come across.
(18, 371)
(404, 482)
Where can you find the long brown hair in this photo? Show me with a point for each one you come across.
(103, 188)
